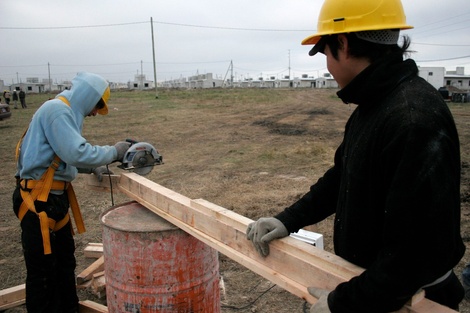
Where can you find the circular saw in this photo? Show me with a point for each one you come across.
(140, 158)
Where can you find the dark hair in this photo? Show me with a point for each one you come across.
(100, 104)
(366, 49)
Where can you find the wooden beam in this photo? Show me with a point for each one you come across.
(88, 306)
(93, 250)
(87, 274)
(16, 296)
(98, 284)
(292, 264)
(12, 297)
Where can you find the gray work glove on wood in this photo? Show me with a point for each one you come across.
(263, 231)
(121, 148)
(99, 171)
(321, 306)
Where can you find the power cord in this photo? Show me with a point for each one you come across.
(249, 304)
(306, 308)
(110, 185)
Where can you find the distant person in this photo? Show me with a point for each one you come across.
(6, 95)
(394, 188)
(15, 98)
(22, 96)
(49, 156)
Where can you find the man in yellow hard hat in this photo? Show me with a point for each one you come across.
(395, 184)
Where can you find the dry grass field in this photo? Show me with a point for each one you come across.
(253, 151)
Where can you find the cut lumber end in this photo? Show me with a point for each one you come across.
(93, 250)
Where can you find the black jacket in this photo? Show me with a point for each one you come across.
(394, 187)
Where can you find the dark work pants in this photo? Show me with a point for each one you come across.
(50, 280)
(449, 292)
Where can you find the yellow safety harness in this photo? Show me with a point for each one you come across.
(32, 190)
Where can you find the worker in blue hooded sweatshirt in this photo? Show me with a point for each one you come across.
(49, 156)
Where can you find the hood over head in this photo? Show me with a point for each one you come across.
(87, 89)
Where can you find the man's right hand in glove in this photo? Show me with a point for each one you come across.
(100, 171)
(263, 231)
(121, 148)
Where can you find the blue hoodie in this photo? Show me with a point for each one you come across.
(56, 128)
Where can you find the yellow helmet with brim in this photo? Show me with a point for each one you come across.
(347, 16)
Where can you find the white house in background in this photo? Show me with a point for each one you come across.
(326, 81)
(433, 75)
(204, 81)
(304, 82)
(174, 83)
(439, 77)
(34, 85)
(457, 79)
(140, 82)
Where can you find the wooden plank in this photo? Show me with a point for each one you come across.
(88, 306)
(12, 297)
(85, 285)
(98, 283)
(87, 274)
(93, 250)
(16, 296)
(292, 264)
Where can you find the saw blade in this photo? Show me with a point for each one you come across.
(142, 163)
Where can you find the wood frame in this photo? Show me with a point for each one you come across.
(292, 264)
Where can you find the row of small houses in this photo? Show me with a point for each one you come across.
(453, 85)
(33, 85)
(198, 81)
(208, 81)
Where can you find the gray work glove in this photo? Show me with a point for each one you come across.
(263, 231)
(121, 148)
(321, 306)
(99, 171)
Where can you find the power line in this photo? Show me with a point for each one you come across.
(444, 20)
(156, 22)
(448, 59)
(437, 44)
(69, 27)
(235, 28)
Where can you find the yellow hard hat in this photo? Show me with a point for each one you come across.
(105, 98)
(347, 16)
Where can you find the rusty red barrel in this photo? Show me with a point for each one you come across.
(153, 266)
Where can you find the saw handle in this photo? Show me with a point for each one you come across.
(132, 141)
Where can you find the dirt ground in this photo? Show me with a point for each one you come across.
(251, 151)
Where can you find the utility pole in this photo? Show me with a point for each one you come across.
(231, 73)
(289, 69)
(154, 64)
(49, 71)
(141, 75)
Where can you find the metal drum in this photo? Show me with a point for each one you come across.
(153, 266)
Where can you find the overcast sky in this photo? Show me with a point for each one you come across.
(262, 38)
